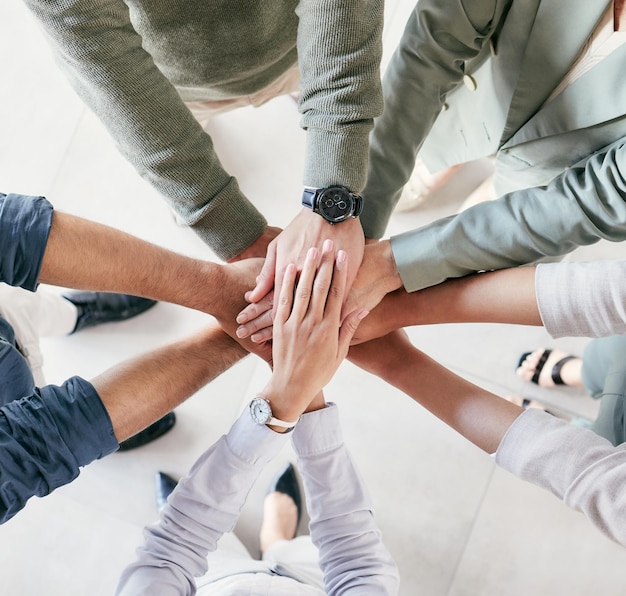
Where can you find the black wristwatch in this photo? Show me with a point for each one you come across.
(334, 203)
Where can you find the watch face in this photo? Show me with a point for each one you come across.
(335, 204)
(260, 410)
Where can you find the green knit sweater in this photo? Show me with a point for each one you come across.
(135, 63)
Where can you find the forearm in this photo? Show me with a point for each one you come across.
(111, 69)
(481, 417)
(203, 506)
(581, 468)
(86, 255)
(140, 391)
(583, 205)
(506, 296)
(340, 87)
(351, 550)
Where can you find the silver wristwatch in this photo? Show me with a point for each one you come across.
(261, 413)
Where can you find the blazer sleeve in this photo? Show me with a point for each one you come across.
(352, 555)
(440, 37)
(584, 204)
(581, 468)
(116, 77)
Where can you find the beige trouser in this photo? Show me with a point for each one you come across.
(286, 83)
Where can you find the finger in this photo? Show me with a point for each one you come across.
(323, 279)
(263, 335)
(304, 288)
(348, 329)
(337, 286)
(256, 309)
(285, 299)
(261, 322)
(265, 279)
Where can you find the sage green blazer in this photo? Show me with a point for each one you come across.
(470, 78)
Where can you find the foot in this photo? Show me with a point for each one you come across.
(165, 484)
(149, 434)
(95, 308)
(548, 368)
(282, 509)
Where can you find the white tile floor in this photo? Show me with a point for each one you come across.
(457, 525)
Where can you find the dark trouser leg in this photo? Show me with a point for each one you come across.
(604, 376)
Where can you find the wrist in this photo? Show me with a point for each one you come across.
(385, 263)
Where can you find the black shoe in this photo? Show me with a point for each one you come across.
(154, 431)
(287, 483)
(164, 486)
(95, 308)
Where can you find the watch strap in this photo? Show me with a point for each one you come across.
(308, 197)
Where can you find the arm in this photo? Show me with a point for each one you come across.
(207, 503)
(352, 554)
(581, 206)
(118, 79)
(339, 52)
(581, 468)
(440, 37)
(39, 245)
(48, 436)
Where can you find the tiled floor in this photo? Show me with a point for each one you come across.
(456, 524)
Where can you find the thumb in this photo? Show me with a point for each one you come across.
(265, 279)
(349, 327)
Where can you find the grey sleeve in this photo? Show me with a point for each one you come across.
(103, 56)
(582, 299)
(581, 206)
(581, 468)
(339, 52)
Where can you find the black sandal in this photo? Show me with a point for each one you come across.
(556, 369)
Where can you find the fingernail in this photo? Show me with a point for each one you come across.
(241, 318)
(328, 245)
(247, 295)
(241, 332)
(341, 259)
(312, 254)
(363, 314)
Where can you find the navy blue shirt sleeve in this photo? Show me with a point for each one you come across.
(24, 227)
(46, 437)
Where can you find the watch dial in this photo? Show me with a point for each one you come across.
(260, 410)
(335, 204)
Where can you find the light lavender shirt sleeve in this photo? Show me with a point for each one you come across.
(352, 555)
(582, 299)
(207, 503)
(204, 506)
(581, 468)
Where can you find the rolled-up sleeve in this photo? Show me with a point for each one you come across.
(46, 437)
(24, 227)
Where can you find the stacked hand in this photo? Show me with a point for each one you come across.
(310, 341)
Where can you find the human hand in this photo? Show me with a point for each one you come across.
(376, 277)
(234, 281)
(259, 247)
(310, 342)
(307, 230)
